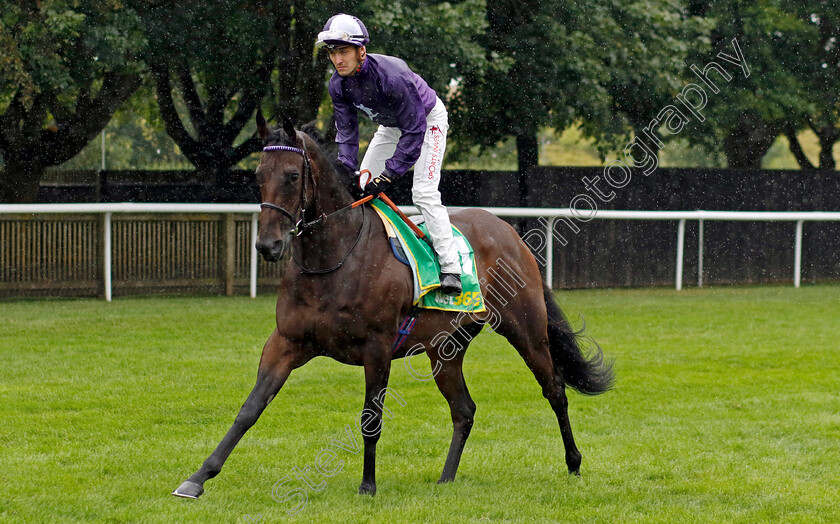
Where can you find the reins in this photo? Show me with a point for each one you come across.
(343, 260)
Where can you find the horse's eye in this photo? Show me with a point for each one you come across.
(294, 176)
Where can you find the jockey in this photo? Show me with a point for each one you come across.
(412, 130)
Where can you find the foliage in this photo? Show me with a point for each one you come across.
(608, 64)
(506, 69)
(817, 76)
(781, 46)
(217, 79)
(66, 67)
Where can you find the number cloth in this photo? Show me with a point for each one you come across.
(426, 270)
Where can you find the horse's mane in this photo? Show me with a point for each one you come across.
(279, 137)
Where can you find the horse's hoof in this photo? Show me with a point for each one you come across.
(189, 490)
(367, 489)
(574, 472)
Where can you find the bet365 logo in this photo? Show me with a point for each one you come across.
(467, 298)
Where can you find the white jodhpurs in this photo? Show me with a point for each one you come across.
(424, 193)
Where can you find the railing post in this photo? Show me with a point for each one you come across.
(797, 255)
(254, 226)
(549, 252)
(106, 255)
(680, 250)
(700, 253)
(228, 258)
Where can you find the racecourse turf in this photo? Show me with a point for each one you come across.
(726, 409)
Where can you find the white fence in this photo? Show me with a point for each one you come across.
(549, 216)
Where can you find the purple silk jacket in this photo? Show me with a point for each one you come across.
(390, 94)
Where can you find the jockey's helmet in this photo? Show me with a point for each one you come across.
(342, 30)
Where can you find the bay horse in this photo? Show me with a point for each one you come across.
(343, 294)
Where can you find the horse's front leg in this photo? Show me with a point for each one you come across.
(278, 360)
(377, 362)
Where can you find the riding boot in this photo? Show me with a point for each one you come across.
(450, 284)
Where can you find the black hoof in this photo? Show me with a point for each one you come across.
(575, 472)
(444, 481)
(189, 490)
(367, 489)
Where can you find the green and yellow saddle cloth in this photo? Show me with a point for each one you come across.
(425, 268)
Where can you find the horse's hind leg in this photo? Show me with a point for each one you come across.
(275, 367)
(449, 377)
(534, 350)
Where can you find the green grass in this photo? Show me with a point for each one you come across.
(727, 408)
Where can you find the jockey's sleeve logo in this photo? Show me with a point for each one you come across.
(368, 111)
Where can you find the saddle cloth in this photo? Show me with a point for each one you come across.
(425, 270)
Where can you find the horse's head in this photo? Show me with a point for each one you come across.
(287, 187)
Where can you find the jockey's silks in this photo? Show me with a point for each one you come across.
(391, 95)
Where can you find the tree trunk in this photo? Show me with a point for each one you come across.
(20, 180)
(527, 150)
(796, 149)
(828, 137)
(748, 142)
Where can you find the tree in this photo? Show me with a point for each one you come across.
(642, 51)
(745, 120)
(66, 67)
(608, 64)
(817, 76)
(437, 39)
(219, 60)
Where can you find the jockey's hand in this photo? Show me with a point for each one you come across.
(378, 185)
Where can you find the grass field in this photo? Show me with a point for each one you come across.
(726, 408)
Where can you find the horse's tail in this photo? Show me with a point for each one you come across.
(589, 375)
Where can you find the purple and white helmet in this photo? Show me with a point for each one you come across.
(342, 30)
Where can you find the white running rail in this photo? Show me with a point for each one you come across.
(549, 214)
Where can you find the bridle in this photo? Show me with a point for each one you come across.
(302, 227)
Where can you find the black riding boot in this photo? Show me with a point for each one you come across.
(450, 284)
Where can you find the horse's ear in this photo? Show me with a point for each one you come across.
(289, 127)
(262, 126)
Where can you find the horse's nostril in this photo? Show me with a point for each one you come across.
(271, 251)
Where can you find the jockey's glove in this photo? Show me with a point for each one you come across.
(378, 185)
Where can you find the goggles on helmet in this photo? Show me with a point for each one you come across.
(336, 38)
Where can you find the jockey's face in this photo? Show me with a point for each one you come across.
(347, 59)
